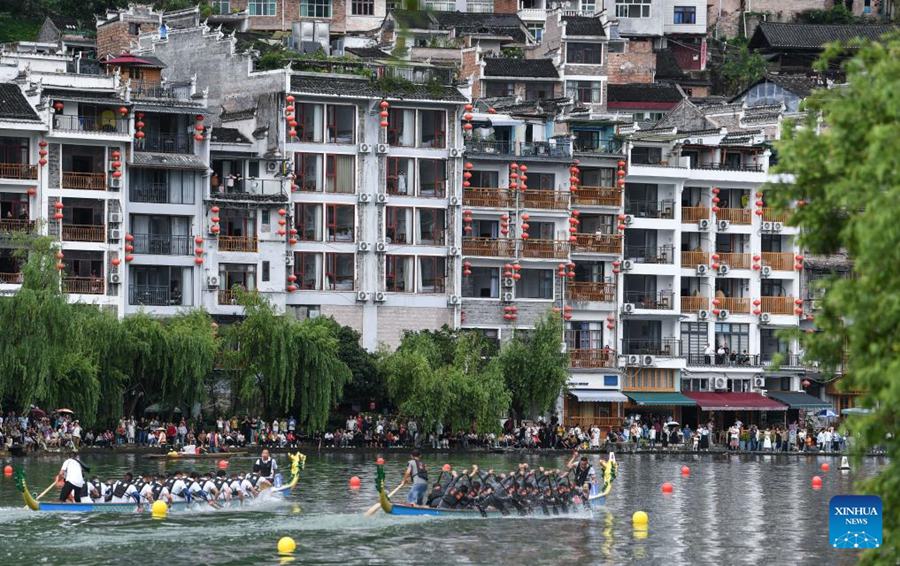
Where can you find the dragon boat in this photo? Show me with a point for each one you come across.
(595, 500)
(279, 491)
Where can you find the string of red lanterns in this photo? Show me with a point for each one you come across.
(139, 126)
(282, 222)
(504, 224)
(756, 310)
(129, 247)
(525, 216)
(42, 152)
(289, 117)
(467, 119)
(715, 199)
(510, 312)
(384, 113)
(199, 128)
(756, 263)
(575, 176)
(760, 204)
(573, 227)
(58, 215)
(467, 221)
(467, 268)
(214, 228)
(198, 249)
(523, 178)
(116, 164)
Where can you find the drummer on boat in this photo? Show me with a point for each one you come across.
(72, 475)
(265, 466)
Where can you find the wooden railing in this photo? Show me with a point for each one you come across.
(489, 247)
(13, 225)
(591, 291)
(83, 232)
(734, 215)
(735, 260)
(739, 305)
(89, 181)
(488, 198)
(780, 261)
(592, 358)
(690, 259)
(777, 305)
(18, 171)
(545, 249)
(10, 278)
(551, 200)
(598, 243)
(83, 285)
(772, 215)
(238, 243)
(690, 214)
(691, 304)
(598, 196)
(586, 422)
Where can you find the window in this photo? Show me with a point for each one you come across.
(340, 122)
(646, 155)
(340, 223)
(541, 181)
(398, 274)
(497, 89)
(538, 91)
(309, 222)
(261, 7)
(633, 8)
(587, 92)
(431, 226)
(685, 15)
(432, 177)
(266, 220)
(610, 381)
(599, 177)
(315, 8)
(401, 129)
(220, 6)
(309, 122)
(362, 8)
(265, 271)
(584, 53)
(484, 283)
(694, 338)
(308, 169)
(432, 274)
(537, 30)
(615, 47)
(485, 179)
(396, 225)
(307, 268)
(399, 170)
(535, 284)
(339, 270)
(432, 130)
(735, 337)
(339, 174)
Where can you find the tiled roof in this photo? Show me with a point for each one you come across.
(227, 135)
(581, 25)
(367, 52)
(527, 68)
(777, 35)
(463, 23)
(643, 92)
(801, 85)
(14, 105)
(236, 115)
(166, 160)
(364, 88)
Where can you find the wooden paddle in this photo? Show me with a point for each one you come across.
(375, 507)
(43, 493)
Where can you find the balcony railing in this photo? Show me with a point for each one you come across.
(591, 358)
(735, 260)
(691, 259)
(784, 360)
(490, 147)
(591, 291)
(551, 200)
(691, 214)
(228, 297)
(734, 305)
(772, 215)
(489, 247)
(10, 278)
(545, 149)
(613, 147)
(89, 124)
(598, 243)
(661, 300)
(780, 261)
(84, 232)
(545, 249)
(777, 305)
(479, 7)
(147, 89)
(86, 181)
(652, 254)
(667, 347)
(732, 359)
(694, 304)
(153, 295)
(597, 196)
(154, 193)
(163, 244)
(487, 197)
(734, 215)
(262, 190)
(730, 166)
(664, 209)
(238, 243)
(13, 225)
(18, 171)
(586, 422)
(83, 285)
(165, 143)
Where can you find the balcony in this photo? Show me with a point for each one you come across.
(488, 247)
(484, 147)
(652, 254)
(10, 278)
(550, 200)
(550, 249)
(661, 300)
(691, 259)
(734, 215)
(153, 295)
(18, 171)
(257, 190)
(14, 225)
(488, 198)
(480, 6)
(783, 360)
(589, 358)
(586, 422)
(779, 261)
(598, 243)
(591, 291)
(777, 305)
(667, 347)
(165, 143)
(83, 285)
(606, 147)
(546, 149)
(228, 297)
(162, 244)
(84, 233)
(734, 305)
(692, 214)
(93, 124)
(597, 196)
(735, 260)
(734, 359)
(238, 243)
(772, 215)
(664, 209)
(84, 181)
(153, 193)
(156, 90)
(730, 167)
(694, 303)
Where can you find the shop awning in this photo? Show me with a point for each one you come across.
(598, 396)
(661, 398)
(799, 400)
(734, 401)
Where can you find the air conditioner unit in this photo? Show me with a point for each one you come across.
(453, 300)
(759, 382)
(629, 219)
(703, 224)
(723, 314)
(115, 278)
(627, 265)
(723, 270)
(456, 152)
(379, 297)
(509, 282)
(703, 314)
(628, 308)
(720, 383)
(212, 281)
(115, 183)
(633, 360)
(381, 198)
(723, 225)
(766, 226)
(115, 218)
(454, 201)
(271, 166)
(381, 148)
(115, 234)
(506, 297)
(648, 360)
(365, 197)
(766, 271)
(380, 247)
(702, 269)
(363, 246)
(777, 226)
(365, 148)
(765, 318)
(453, 251)
(362, 296)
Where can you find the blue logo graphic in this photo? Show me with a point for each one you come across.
(854, 521)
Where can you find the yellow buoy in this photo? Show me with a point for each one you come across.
(172, 454)
(640, 534)
(159, 510)
(639, 519)
(286, 545)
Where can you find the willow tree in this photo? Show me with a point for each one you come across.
(191, 345)
(844, 163)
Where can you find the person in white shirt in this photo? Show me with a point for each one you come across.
(146, 493)
(124, 490)
(72, 473)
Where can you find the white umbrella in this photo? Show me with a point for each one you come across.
(827, 413)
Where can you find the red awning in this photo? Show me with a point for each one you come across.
(734, 401)
(129, 59)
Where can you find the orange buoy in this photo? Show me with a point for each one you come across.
(826, 466)
(7, 470)
(816, 482)
(446, 467)
(355, 482)
(685, 471)
(223, 464)
(667, 488)
(380, 461)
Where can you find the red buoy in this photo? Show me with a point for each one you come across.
(355, 482)
(223, 464)
(446, 467)
(816, 482)
(380, 461)
(826, 467)
(7, 470)
(685, 471)
(667, 488)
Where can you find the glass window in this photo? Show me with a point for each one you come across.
(262, 7)
(584, 53)
(734, 337)
(315, 8)
(432, 129)
(537, 30)
(484, 179)
(587, 92)
(309, 221)
(694, 338)
(610, 381)
(220, 6)
(484, 283)
(340, 174)
(362, 8)
(307, 267)
(398, 274)
(309, 121)
(339, 270)
(308, 171)
(633, 8)
(396, 225)
(399, 176)
(646, 155)
(340, 223)
(432, 177)
(265, 271)
(431, 226)
(541, 181)
(497, 89)
(535, 284)
(340, 122)
(685, 15)
(432, 274)
(401, 130)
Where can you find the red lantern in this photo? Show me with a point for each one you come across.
(525, 236)
(468, 107)
(198, 260)
(129, 238)
(115, 261)
(115, 164)
(58, 216)
(805, 383)
(292, 231)
(215, 229)
(293, 124)
(43, 143)
(31, 191)
(123, 111)
(116, 174)
(384, 104)
(466, 272)
(290, 98)
(291, 288)
(198, 251)
(60, 266)
(756, 267)
(42, 161)
(716, 200)
(468, 127)
(129, 258)
(525, 216)
(384, 114)
(198, 137)
(757, 312)
(468, 165)
(214, 209)
(757, 302)
(384, 124)
(715, 209)
(759, 203)
(282, 221)
(139, 125)
(291, 277)
(139, 135)
(215, 219)
(129, 248)
(467, 117)
(198, 240)
(58, 106)
(715, 190)
(292, 133)
(798, 302)
(514, 166)
(58, 205)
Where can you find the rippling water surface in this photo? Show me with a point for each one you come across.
(730, 510)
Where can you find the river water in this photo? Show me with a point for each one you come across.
(730, 510)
